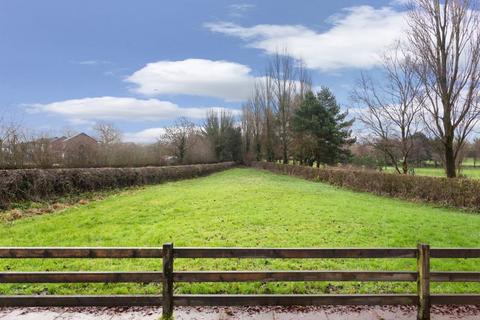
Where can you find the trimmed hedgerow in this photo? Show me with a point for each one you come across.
(44, 184)
(460, 193)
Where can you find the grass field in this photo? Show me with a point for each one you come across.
(468, 172)
(473, 173)
(243, 207)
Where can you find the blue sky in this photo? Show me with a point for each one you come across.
(142, 64)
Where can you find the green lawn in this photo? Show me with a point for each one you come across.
(243, 207)
(468, 172)
(473, 173)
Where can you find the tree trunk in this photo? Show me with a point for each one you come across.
(405, 166)
(450, 167)
(258, 151)
(285, 153)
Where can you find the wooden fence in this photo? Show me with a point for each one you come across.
(423, 276)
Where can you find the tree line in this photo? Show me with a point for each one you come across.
(422, 107)
(285, 120)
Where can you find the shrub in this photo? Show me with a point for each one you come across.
(43, 184)
(460, 193)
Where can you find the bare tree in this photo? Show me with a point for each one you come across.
(254, 116)
(392, 107)
(265, 98)
(247, 129)
(107, 133)
(13, 147)
(109, 138)
(180, 137)
(445, 36)
(68, 131)
(282, 72)
(304, 81)
(39, 151)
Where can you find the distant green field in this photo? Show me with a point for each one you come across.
(248, 208)
(470, 162)
(468, 172)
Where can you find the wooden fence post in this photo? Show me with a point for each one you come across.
(423, 282)
(167, 304)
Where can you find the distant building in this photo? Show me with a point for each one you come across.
(78, 150)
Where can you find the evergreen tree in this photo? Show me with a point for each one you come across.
(319, 122)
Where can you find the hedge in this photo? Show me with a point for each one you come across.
(43, 184)
(460, 193)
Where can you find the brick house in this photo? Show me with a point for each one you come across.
(80, 150)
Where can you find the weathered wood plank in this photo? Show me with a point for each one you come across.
(289, 300)
(269, 276)
(80, 301)
(33, 252)
(450, 276)
(79, 277)
(83, 252)
(423, 282)
(455, 253)
(455, 299)
(167, 290)
(286, 253)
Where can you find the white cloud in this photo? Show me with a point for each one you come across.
(92, 62)
(355, 39)
(238, 10)
(241, 6)
(118, 108)
(199, 77)
(400, 2)
(144, 136)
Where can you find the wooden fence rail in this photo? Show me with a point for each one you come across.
(423, 276)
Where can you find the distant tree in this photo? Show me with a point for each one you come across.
(211, 130)
(476, 150)
(253, 115)
(180, 137)
(13, 147)
(40, 152)
(319, 120)
(391, 107)
(264, 96)
(234, 144)
(220, 129)
(107, 133)
(201, 151)
(287, 81)
(422, 149)
(109, 138)
(282, 73)
(365, 155)
(68, 131)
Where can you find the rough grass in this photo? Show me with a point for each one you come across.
(243, 207)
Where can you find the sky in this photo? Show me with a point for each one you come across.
(64, 65)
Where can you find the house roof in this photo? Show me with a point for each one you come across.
(55, 139)
(78, 135)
